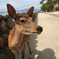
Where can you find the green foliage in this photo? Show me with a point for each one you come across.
(48, 5)
(43, 8)
(42, 1)
(56, 1)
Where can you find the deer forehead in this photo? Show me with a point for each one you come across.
(23, 18)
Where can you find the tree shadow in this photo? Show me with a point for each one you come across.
(47, 53)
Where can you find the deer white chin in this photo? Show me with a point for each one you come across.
(30, 33)
(27, 33)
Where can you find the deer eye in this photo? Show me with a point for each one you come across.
(23, 21)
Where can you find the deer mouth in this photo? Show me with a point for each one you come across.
(29, 33)
(37, 32)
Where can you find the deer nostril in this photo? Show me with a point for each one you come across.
(40, 29)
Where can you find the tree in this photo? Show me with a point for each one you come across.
(42, 1)
(48, 5)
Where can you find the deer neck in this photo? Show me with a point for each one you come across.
(15, 37)
(18, 33)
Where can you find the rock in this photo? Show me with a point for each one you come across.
(1, 17)
(6, 17)
(10, 23)
(3, 26)
(1, 43)
(3, 56)
(7, 31)
(5, 38)
(6, 53)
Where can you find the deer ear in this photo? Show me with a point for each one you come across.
(30, 11)
(11, 11)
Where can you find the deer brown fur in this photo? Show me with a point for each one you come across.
(24, 27)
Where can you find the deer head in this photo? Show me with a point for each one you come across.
(23, 22)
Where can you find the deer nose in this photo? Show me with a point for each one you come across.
(39, 29)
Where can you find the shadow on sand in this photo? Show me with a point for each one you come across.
(45, 54)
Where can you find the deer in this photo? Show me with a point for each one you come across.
(24, 26)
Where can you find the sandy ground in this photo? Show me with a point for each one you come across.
(45, 45)
(55, 13)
